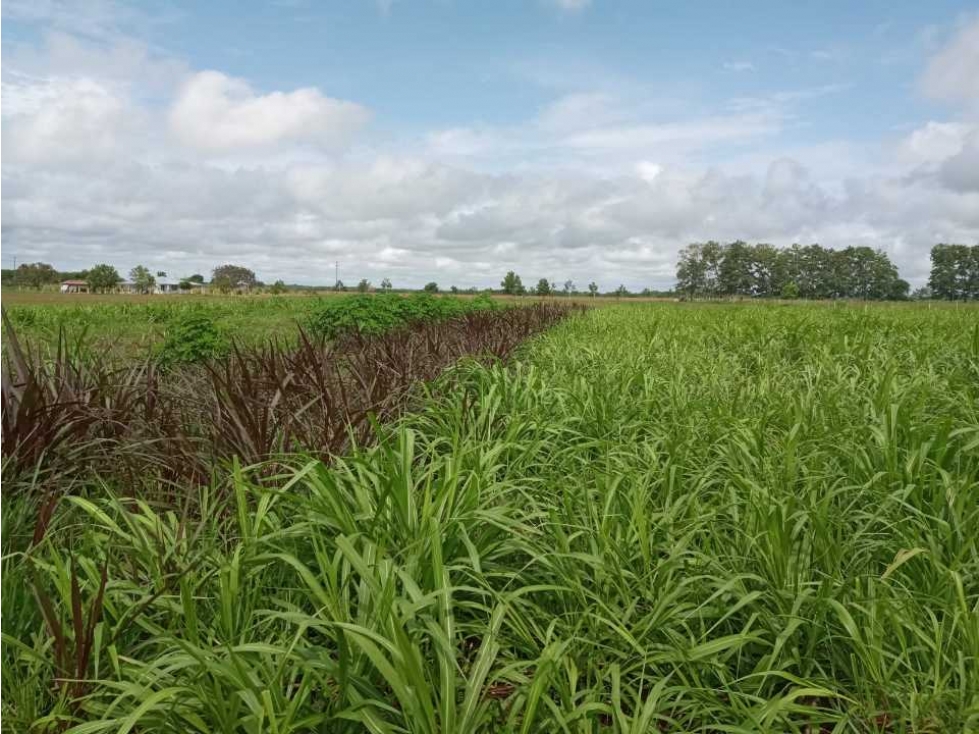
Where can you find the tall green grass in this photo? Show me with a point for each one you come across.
(660, 518)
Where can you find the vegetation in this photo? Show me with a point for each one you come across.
(35, 275)
(232, 278)
(711, 269)
(102, 278)
(142, 279)
(658, 518)
(512, 285)
(372, 315)
(954, 272)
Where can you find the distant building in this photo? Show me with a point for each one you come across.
(74, 286)
(166, 286)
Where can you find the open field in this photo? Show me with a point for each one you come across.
(654, 517)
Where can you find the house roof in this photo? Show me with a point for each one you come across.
(74, 282)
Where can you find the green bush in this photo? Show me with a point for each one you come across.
(371, 315)
(195, 337)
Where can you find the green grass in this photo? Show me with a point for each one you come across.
(660, 518)
(131, 328)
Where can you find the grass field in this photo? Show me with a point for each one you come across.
(658, 517)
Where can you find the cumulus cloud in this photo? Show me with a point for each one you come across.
(64, 120)
(596, 184)
(215, 112)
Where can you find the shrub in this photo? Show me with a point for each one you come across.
(193, 338)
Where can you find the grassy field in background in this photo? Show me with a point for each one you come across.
(739, 518)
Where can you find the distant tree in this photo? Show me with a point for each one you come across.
(790, 290)
(363, 286)
(453, 289)
(922, 294)
(196, 278)
(954, 272)
(233, 277)
(185, 284)
(568, 287)
(339, 287)
(543, 287)
(432, 287)
(385, 285)
(593, 288)
(35, 275)
(698, 271)
(278, 287)
(512, 285)
(621, 291)
(103, 278)
(142, 279)
(161, 274)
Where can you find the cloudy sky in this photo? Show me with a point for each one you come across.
(455, 139)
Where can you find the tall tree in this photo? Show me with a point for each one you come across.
(103, 278)
(363, 286)
(232, 277)
(543, 287)
(431, 287)
(568, 287)
(386, 285)
(593, 288)
(512, 284)
(142, 279)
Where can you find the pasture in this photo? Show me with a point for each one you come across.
(649, 517)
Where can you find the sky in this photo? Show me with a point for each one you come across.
(453, 140)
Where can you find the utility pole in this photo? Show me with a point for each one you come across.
(336, 275)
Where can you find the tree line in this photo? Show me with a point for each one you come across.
(712, 269)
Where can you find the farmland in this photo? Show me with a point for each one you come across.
(641, 517)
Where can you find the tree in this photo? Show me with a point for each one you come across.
(339, 287)
(385, 285)
(512, 285)
(621, 291)
(543, 287)
(698, 271)
(277, 287)
(954, 272)
(735, 271)
(568, 287)
(142, 279)
(102, 278)
(454, 289)
(790, 290)
(593, 288)
(232, 277)
(34, 275)
(196, 278)
(432, 287)
(363, 286)
(161, 274)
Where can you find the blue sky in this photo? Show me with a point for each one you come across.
(455, 140)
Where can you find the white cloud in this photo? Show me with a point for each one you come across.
(602, 183)
(739, 66)
(64, 120)
(953, 73)
(215, 112)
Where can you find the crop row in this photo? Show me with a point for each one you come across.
(67, 415)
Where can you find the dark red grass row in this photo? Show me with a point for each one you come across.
(66, 417)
